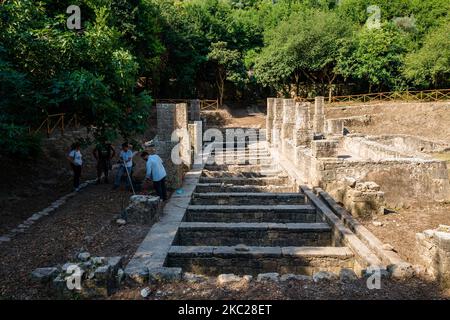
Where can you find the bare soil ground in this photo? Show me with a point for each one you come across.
(249, 117)
(399, 229)
(86, 221)
(289, 290)
(428, 120)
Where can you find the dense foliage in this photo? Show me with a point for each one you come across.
(130, 50)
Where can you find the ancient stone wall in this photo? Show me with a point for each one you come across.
(370, 150)
(170, 118)
(433, 247)
(254, 260)
(403, 181)
(324, 148)
(410, 144)
(253, 234)
(325, 156)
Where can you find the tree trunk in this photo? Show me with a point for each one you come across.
(221, 87)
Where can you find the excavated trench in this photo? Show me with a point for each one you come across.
(248, 217)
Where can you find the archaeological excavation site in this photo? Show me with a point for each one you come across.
(230, 157)
(294, 201)
(290, 202)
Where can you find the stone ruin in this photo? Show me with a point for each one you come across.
(178, 135)
(365, 173)
(87, 277)
(98, 276)
(143, 209)
(433, 247)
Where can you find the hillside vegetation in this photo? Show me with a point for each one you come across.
(128, 51)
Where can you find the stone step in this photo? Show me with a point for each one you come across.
(253, 234)
(253, 208)
(248, 181)
(248, 155)
(241, 168)
(241, 260)
(247, 198)
(268, 216)
(239, 145)
(242, 161)
(221, 187)
(241, 150)
(248, 174)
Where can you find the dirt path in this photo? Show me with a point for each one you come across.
(85, 221)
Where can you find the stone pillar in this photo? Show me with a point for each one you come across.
(335, 126)
(319, 115)
(277, 122)
(269, 118)
(195, 137)
(301, 134)
(169, 118)
(181, 116)
(194, 110)
(434, 253)
(288, 123)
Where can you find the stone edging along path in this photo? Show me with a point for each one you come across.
(21, 228)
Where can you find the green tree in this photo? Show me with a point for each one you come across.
(229, 66)
(430, 65)
(302, 49)
(375, 56)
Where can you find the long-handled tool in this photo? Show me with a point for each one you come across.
(129, 177)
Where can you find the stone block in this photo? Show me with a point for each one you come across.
(44, 275)
(434, 253)
(297, 277)
(347, 275)
(324, 148)
(228, 278)
(143, 209)
(324, 276)
(270, 276)
(165, 274)
(335, 126)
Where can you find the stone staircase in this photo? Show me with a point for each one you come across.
(246, 216)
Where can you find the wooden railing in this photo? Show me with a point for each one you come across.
(204, 104)
(424, 95)
(58, 121)
(209, 104)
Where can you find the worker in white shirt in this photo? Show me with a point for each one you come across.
(76, 161)
(155, 172)
(126, 166)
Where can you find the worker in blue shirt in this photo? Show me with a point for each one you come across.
(155, 172)
(126, 166)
